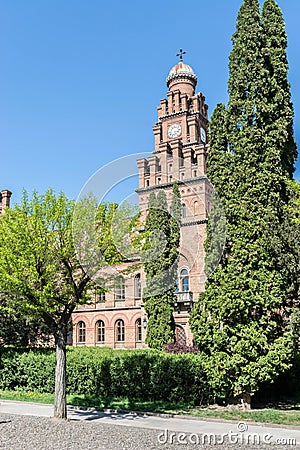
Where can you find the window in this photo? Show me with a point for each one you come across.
(182, 175)
(81, 332)
(158, 180)
(99, 296)
(183, 210)
(138, 330)
(100, 331)
(137, 286)
(120, 288)
(195, 173)
(147, 183)
(120, 331)
(194, 159)
(170, 178)
(195, 208)
(184, 277)
(102, 297)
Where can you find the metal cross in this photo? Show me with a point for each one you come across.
(180, 54)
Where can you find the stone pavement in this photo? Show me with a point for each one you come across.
(170, 427)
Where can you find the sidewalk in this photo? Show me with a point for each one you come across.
(165, 424)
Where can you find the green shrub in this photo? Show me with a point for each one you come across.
(136, 374)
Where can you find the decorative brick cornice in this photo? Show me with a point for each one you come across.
(194, 222)
(110, 308)
(187, 181)
(180, 113)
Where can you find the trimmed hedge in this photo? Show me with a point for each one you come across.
(137, 374)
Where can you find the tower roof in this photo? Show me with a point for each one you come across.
(181, 70)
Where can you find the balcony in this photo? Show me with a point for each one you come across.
(184, 302)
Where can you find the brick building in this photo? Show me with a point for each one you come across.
(117, 319)
(4, 199)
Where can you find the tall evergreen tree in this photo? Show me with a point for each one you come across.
(281, 151)
(161, 262)
(238, 322)
(175, 229)
(279, 139)
(278, 108)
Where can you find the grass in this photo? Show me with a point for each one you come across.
(265, 415)
(25, 396)
(283, 415)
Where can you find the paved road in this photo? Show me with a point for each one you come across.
(267, 434)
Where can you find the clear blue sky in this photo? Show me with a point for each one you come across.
(80, 80)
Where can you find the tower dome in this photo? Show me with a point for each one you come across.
(181, 70)
(182, 77)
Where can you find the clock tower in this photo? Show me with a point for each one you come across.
(180, 139)
(183, 115)
(180, 132)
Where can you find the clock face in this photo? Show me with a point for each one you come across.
(203, 135)
(174, 130)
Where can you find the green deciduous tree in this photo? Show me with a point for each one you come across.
(40, 275)
(39, 271)
(160, 257)
(239, 322)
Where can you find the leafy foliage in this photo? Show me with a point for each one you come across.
(240, 320)
(160, 256)
(19, 331)
(136, 374)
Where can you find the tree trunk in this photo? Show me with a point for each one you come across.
(60, 402)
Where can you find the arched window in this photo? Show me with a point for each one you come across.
(147, 183)
(195, 208)
(183, 210)
(120, 331)
(138, 330)
(180, 336)
(81, 332)
(184, 277)
(137, 286)
(120, 288)
(100, 331)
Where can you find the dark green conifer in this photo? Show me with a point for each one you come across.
(239, 322)
(160, 261)
(278, 107)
